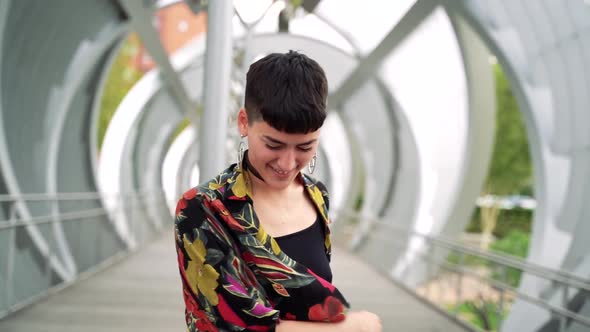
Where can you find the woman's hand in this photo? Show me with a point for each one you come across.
(362, 321)
(355, 321)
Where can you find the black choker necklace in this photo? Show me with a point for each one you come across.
(248, 167)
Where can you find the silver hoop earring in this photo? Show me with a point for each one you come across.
(312, 163)
(241, 150)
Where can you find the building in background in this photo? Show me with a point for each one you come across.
(177, 24)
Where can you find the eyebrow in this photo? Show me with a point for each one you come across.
(272, 140)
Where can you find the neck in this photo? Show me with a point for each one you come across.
(248, 167)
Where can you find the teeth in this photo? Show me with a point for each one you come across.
(280, 172)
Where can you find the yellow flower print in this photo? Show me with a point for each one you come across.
(316, 196)
(263, 237)
(215, 186)
(275, 247)
(240, 187)
(201, 277)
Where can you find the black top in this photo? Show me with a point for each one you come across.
(307, 247)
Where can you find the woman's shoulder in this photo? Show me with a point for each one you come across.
(309, 180)
(214, 187)
(318, 190)
(207, 193)
(220, 181)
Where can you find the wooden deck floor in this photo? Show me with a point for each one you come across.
(142, 293)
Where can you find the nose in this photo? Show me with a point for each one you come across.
(287, 160)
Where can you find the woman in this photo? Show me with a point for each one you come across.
(253, 243)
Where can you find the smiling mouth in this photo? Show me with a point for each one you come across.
(279, 172)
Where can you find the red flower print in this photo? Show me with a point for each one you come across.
(280, 289)
(322, 281)
(258, 328)
(205, 325)
(227, 313)
(267, 261)
(332, 310)
(290, 316)
(225, 215)
(190, 194)
(191, 305)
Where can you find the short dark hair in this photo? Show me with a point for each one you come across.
(288, 91)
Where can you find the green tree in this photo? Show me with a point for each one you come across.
(120, 80)
(481, 313)
(510, 170)
(516, 243)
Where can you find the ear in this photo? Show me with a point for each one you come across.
(243, 122)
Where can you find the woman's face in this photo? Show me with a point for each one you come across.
(276, 155)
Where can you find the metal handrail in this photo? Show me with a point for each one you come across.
(505, 287)
(553, 275)
(500, 285)
(77, 215)
(60, 197)
(75, 196)
(558, 277)
(125, 201)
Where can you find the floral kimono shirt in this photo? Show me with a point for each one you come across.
(234, 275)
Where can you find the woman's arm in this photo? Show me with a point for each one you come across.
(356, 321)
(220, 292)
